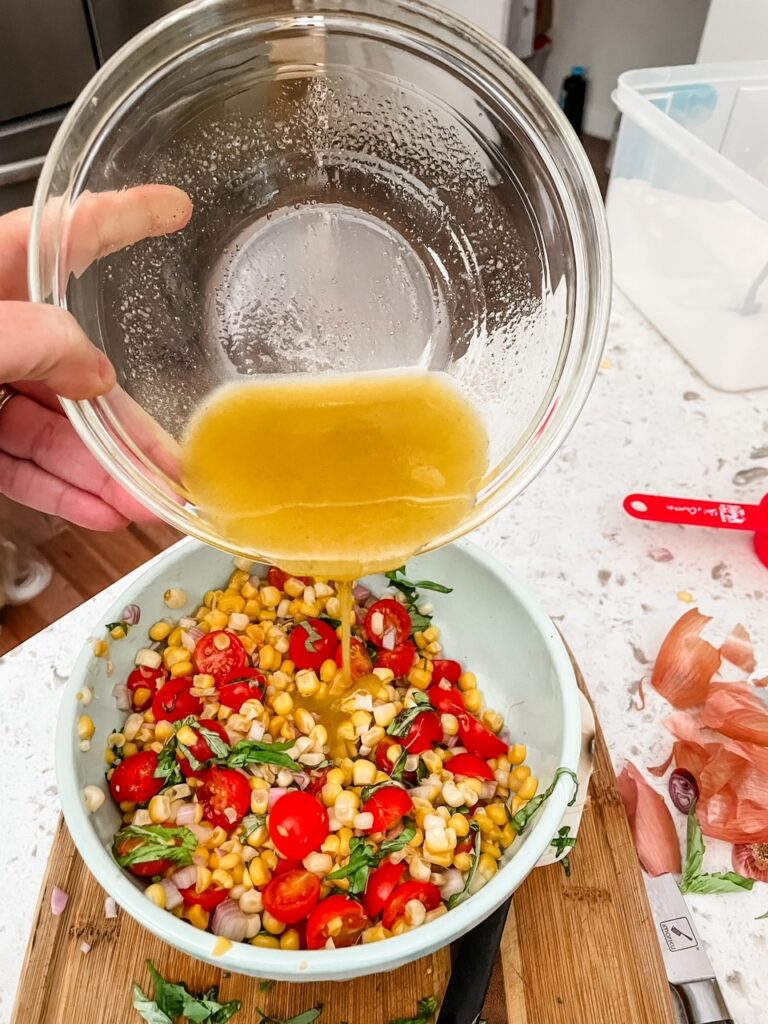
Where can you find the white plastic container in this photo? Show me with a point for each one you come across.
(688, 213)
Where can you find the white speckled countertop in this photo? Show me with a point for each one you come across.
(650, 425)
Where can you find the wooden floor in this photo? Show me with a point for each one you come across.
(85, 562)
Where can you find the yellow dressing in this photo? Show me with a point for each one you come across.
(336, 476)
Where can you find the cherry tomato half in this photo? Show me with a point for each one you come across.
(426, 731)
(400, 660)
(298, 824)
(134, 778)
(354, 920)
(224, 790)
(200, 749)
(312, 643)
(219, 654)
(383, 761)
(149, 867)
(472, 765)
(381, 884)
(444, 668)
(208, 900)
(388, 805)
(388, 616)
(144, 679)
(478, 739)
(290, 896)
(360, 659)
(277, 577)
(173, 701)
(425, 892)
(448, 701)
(241, 685)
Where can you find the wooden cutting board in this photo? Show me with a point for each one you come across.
(578, 950)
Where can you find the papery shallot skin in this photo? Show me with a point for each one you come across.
(686, 664)
(650, 821)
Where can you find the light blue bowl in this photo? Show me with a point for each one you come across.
(490, 623)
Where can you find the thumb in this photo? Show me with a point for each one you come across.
(41, 342)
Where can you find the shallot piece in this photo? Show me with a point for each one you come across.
(85, 947)
(660, 554)
(131, 614)
(739, 649)
(653, 830)
(122, 697)
(389, 639)
(301, 779)
(360, 593)
(229, 921)
(185, 877)
(256, 732)
(751, 860)
(110, 909)
(186, 814)
(275, 794)
(686, 664)
(173, 897)
(452, 882)
(59, 900)
(683, 789)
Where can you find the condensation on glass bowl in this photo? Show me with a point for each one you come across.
(376, 186)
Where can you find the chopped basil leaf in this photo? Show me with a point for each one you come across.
(251, 822)
(422, 772)
(303, 1018)
(368, 791)
(265, 986)
(255, 752)
(398, 579)
(564, 841)
(461, 809)
(694, 880)
(398, 771)
(157, 843)
(401, 725)
(216, 744)
(466, 892)
(312, 637)
(117, 625)
(425, 1012)
(762, 917)
(172, 1001)
(419, 622)
(520, 820)
(363, 857)
(168, 767)
(331, 622)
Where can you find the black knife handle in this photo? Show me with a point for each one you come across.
(472, 970)
(703, 1002)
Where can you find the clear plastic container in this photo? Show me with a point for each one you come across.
(688, 213)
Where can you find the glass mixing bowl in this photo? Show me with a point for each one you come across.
(376, 184)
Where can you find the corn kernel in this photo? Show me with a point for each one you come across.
(491, 848)
(259, 872)
(518, 753)
(198, 917)
(497, 813)
(223, 878)
(467, 681)
(487, 865)
(156, 894)
(290, 939)
(517, 804)
(288, 667)
(94, 798)
(173, 655)
(271, 924)
(182, 668)
(266, 941)
(175, 597)
(229, 861)
(283, 702)
(141, 696)
(419, 678)
(270, 597)
(462, 861)
(493, 720)
(85, 727)
(528, 789)
(460, 825)
(473, 701)
(230, 603)
(159, 809)
(331, 845)
(100, 648)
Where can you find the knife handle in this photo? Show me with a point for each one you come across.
(703, 1002)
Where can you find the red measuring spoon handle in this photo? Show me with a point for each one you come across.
(720, 515)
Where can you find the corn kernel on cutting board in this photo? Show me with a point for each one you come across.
(578, 950)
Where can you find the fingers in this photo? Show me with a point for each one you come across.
(100, 224)
(43, 343)
(104, 222)
(28, 484)
(35, 434)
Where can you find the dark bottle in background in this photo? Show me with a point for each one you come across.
(572, 95)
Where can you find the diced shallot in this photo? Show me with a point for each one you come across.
(488, 791)
(363, 702)
(173, 897)
(185, 877)
(110, 908)
(131, 614)
(202, 833)
(122, 697)
(275, 793)
(187, 641)
(59, 900)
(85, 947)
(389, 639)
(256, 732)
(229, 921)
(360, 593)
(186, 814)
(301, 779)
(451, 882)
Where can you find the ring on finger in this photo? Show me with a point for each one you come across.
(7, 392)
